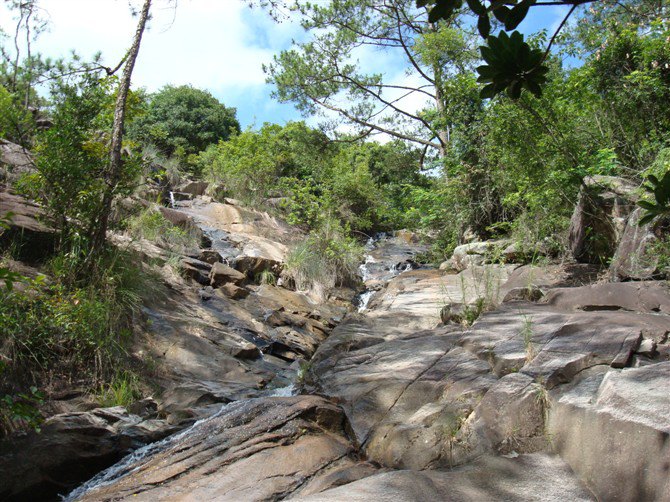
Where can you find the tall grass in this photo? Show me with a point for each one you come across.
(151, 225)
(327, 258)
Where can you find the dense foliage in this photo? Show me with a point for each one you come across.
(184, 120)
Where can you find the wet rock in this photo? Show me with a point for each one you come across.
(613, 430)
(536, 477)
(261, 449)
(221, 274)
(69, 449)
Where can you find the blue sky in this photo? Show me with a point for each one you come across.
(218, 45)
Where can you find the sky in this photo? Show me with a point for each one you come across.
(218, 45)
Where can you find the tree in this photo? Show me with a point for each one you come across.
(185, 119)
(323, 74)
(112, 176)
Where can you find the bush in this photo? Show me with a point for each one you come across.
(151, 225)
(327, 258)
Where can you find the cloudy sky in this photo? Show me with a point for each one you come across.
(218, 45)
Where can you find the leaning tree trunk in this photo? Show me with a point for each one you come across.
(114, 171)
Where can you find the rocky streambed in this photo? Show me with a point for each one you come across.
(558, 391)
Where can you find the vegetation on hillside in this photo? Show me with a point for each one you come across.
(468, 161)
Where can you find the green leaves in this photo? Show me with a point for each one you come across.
(660, 189)
(511, 65)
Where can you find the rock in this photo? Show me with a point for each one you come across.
(27, 226)
(529, 294)
(407, 236)
(633, 259)
(195, 269)
(598, 220)
(144, 408)
(647, 347)
(536, 478)
(183, 221)
(261, 449)
(211, 256)
(447, 266)
(647, 297)
(233, 292)
(543, 278)
(69, 449)
(454, 312)
(253, 266)
(613, 430)
(477, 253)
(15, 162)
(193, 188)
(508, 419)
(221, 274)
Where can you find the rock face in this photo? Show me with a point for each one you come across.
(633, 259)
(27, 226)
(15, 161)
(537, 478)
(599, 218)
(71, 447)
(262, 449)
(613, 429)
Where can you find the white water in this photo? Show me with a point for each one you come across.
(172, 201)
(132, 462)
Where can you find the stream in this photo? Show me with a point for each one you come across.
(386, 258)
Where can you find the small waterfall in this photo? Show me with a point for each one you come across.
(172, 201)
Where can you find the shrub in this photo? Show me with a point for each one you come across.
(151, 225)
(327, 258)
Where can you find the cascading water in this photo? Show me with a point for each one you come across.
(387, 258)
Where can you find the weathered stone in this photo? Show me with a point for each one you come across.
(261, 449)
(647, 297)
(221, 274)
(647, 347)
(599, 218)
(477, 253)
(535, 477)
(196, 270)
(69, 449)
(253, 266)
(633, 259)
(529, 294)
(26, 226)
(233, 291)
(613, 430)
(193, 188)
(211, 256)
(15, 162)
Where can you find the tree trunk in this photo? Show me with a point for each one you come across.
(113, 174)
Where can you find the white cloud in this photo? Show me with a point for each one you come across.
(219, 45)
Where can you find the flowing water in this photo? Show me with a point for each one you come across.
(387, 257)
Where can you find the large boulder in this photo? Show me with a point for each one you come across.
(613, 429)
(599, 218)
(634, 258)
(15, 162)
(221, 274)
(536, 478)
(261, 449)
(70, 449)
(27, 227)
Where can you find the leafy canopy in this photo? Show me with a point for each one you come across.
(184, 120)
